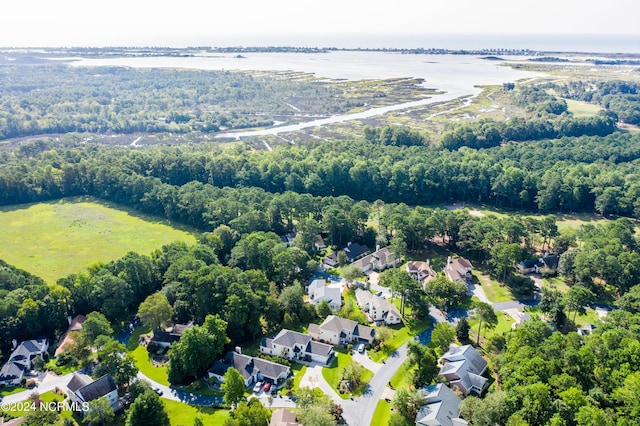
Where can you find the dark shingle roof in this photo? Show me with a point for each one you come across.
(78, 381)
(98, 388)
(11, 371)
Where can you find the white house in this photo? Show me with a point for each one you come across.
(378, 310)
(341, 331)
(296, 346)
(319, 291)
(82, 388)
(21, 360)
(441, 409)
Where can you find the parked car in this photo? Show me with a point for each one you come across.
(257, 387)
(267, 386)
(158, 391)
(361, 348)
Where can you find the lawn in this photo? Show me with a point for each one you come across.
(591, 317)
(402, 378)
(54, 239)
(10, 390)
(505, 322)
(582, 109)
(184, 414)
(333, 374)
(298, 371)
(493, 290)
(401, 335)
(46, 397)
(143, 362)
(382, 415)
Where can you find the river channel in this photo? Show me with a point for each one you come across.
(456, 76)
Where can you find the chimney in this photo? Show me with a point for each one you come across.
(449, 260)
(377, 247)
(14, 344)
(69, 319)
(239, 350)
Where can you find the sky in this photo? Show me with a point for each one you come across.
(180, 23)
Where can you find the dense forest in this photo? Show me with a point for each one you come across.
(45, 98)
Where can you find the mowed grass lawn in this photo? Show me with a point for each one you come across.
(181, 414)
(142, 359)
(333, 373)
(54, 239)
(46, 398)
(382, 415)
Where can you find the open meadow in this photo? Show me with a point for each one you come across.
(57, 238)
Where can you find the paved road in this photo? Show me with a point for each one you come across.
(49, 382)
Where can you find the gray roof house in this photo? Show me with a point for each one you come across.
(378, 310)
(81, 388)
(379, 260)
(169, 336)
(355, 251)
(252, 369)
(341, 331)
(296, 347)
(463, 367)
(441, 408)
(21, 360)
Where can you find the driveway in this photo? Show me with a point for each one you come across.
(182, 396)
(48, 383)
(365, 361)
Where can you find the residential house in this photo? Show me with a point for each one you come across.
(296, 346)
(421, 271)
(463, 367)
(586, 330)
(534, 266)
(355, 251)
(169, 336)
(341, 331)
(319, 291)
(441, 409)
(81, 388)
(66, 340)
(378, 261)
(283, 417)
(319, 245)
(458, 269)
(378, 310)
(288, 238)
(251, 368)
(331, 260)
(21, 360)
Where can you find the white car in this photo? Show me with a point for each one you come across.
(361, 348)
(257, 387)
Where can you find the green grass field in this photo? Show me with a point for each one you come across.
(582, 109)
(46, 398)
(55, 239)
(402, 377)
(493, 290)
(401, 335)
(382, 415)
(142, 360)
(184, 414)
(333, 373)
